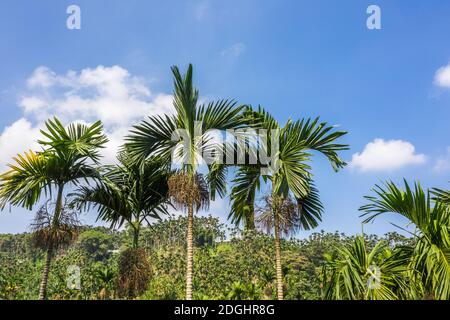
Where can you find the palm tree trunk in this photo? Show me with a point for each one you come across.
(136, 230)
(58, 206)
(279, 272)
(48, 259)
(135, 238)
(43, 285)
(190, 252)
(250, 221)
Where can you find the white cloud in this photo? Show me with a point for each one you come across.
(42, 77)
(381, 155)
(443, 163)
(110, 94)
(234, 50)
(442, 77)
(15, 139)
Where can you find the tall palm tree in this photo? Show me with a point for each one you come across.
(66, 157)
(185, 136)
(431, 254)
(355, 272)
(289, 177)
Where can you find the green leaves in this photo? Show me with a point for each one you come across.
(185, 134)
(152, 138)
(129, 192)
(243, 193)
(431, 255)
(23, 184)
(356, 273)
(76, 142)
(64, 159)
(291, 173)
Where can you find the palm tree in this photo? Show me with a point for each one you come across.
(65, 159)
(184, 137)
(289, 177)
(355, 272)
(430, 261)
(130, 193)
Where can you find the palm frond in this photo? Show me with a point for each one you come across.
(23, 184)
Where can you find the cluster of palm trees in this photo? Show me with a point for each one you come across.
(145, 182)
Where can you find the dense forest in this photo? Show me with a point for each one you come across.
(240, 267)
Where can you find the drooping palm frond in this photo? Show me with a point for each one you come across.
(65, 159)
(216, 179)
(23, 184)
(246, 184)
(310, 208)
(319, 137)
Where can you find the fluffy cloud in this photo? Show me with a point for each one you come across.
(17, 138)
(443, 163)
(381, 155)
(110, 94)
(442, 77)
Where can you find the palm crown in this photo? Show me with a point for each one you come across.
(65, 158)
(292, 172)
(128, 192)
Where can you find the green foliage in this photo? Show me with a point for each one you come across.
(97, 243)
(64, 159)
(246, 258)
(355, 273)
(430, 262)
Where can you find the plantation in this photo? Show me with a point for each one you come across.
(241, 268)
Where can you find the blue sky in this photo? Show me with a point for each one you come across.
(389, 88)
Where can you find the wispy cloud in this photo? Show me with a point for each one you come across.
(386, 155)
(234, 51)
(201, 10)
(442, 163)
